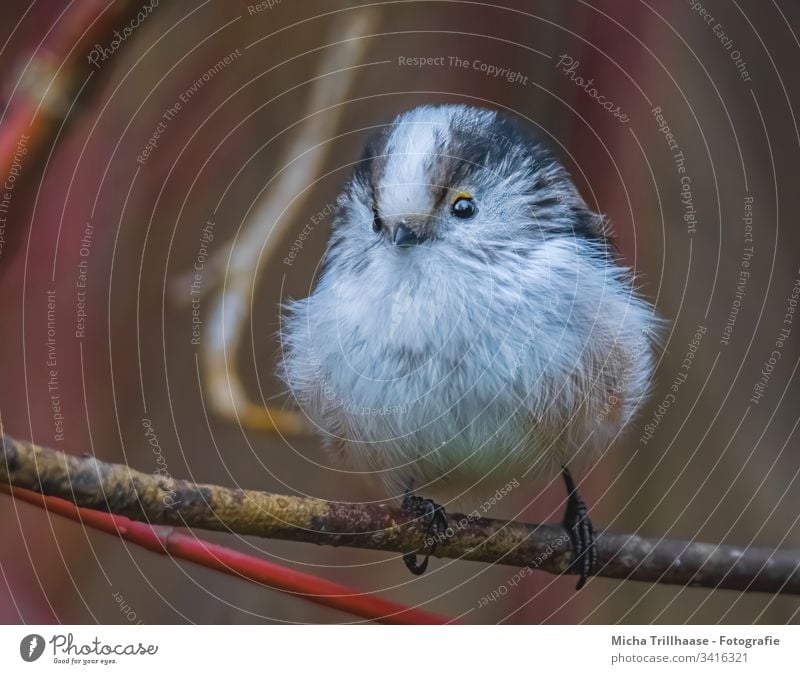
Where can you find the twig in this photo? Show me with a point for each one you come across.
(167, 541)
(239, 264)
(124, 491)
(55, 74)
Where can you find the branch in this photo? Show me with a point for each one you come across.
(57, 72)
(167, 541)
(122, 490)
(237, 266)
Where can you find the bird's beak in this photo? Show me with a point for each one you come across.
(405, 237)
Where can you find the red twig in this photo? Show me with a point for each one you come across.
(168, 541)
(55, 73)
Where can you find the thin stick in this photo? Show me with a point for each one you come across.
(152, 498)
(167, 541)
(269, 221)
(54, 75)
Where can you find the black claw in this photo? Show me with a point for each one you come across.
(581, 533)
(410, 560)
(435, 519)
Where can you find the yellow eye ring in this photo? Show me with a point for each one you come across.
(460, 195)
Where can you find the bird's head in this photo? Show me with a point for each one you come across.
(463, 178)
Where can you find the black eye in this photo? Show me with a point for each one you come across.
(377, 223)
(464, 208)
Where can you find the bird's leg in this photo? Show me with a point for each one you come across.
(435, 519)
(581, 532)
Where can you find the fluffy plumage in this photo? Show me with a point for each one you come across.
(501, 344)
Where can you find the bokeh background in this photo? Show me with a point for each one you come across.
(719, 466)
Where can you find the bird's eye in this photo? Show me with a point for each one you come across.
(377, 223)
(464, 206)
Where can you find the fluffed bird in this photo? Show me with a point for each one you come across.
(472, 323)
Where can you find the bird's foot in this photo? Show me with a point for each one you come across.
(581, 533)
(434, 518)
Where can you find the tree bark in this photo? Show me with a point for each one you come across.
(121, 490)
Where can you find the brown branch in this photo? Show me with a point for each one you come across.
(235, 268)
(166, 541)
(122, 490)
(55, 74)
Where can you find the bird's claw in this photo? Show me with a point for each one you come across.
(434, 518)
(581, 533)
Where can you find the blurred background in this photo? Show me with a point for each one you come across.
(160, 154)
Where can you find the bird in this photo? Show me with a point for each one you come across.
(472, 324)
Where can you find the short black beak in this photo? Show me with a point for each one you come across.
(404, 237)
